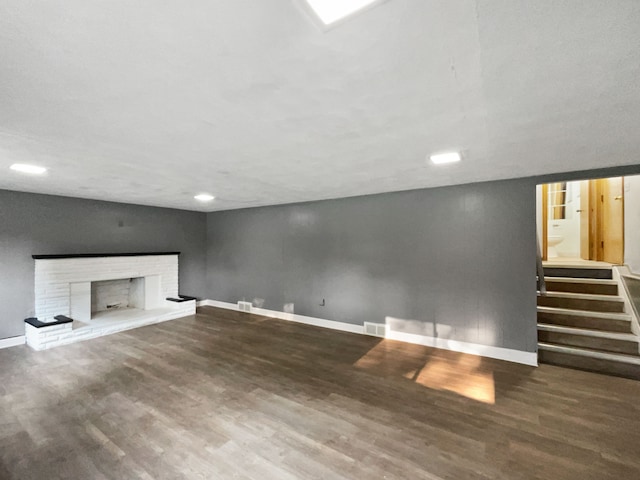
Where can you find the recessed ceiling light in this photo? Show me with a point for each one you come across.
(330, 11)
(20, 167)
(449, 157)
(204, 197)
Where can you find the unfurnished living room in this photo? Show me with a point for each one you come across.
(320, 239)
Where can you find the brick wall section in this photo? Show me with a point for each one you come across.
(53, 276)
(38, 338)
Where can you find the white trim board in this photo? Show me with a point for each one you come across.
(499, 353)
(12, 341)
(618, 272)
(292, 317)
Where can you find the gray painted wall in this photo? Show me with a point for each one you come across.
(43, 224)
(455, 262)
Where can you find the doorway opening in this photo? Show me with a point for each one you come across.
(582, 220)
(587, 229)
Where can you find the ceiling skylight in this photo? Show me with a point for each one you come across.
(330, 11)
(32, 169)
(450, 157)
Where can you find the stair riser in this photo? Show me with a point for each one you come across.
(594, 323)
(593, 343)
(607, 367)
(600, 273)
(595, 289)
(581, 304)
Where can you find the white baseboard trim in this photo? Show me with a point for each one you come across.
(516, 356)
(215, 303)
(12, 342)
(292, 317)
(499, 353)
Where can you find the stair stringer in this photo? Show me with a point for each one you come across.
(617, 272)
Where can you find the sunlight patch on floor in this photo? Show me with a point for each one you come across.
(461, 379)
(463, 374)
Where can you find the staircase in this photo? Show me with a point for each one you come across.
(582, 323)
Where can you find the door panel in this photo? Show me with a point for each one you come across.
(585, 242)
(613, 219)
(597, 223)
(545, 219)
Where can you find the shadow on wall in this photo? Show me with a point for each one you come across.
(417, 327)
(442, 335)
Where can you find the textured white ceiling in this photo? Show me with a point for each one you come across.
(151, 102)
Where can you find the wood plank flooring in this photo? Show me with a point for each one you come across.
(225, 394)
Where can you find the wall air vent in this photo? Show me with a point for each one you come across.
(375, 329)
(244, 306)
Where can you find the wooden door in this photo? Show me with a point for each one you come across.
(595, 219)
(545, 219)
(612, 233)
(586, 252)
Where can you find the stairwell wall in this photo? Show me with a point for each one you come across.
(632, 223)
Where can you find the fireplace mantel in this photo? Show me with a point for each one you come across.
(99, 255)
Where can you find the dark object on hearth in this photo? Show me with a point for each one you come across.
(59, 320)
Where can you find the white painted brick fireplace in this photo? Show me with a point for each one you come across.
(63, 286)
(135, 286)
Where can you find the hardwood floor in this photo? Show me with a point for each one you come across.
(224, 395)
